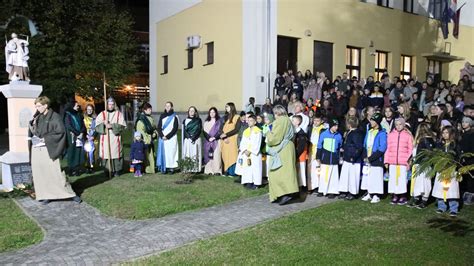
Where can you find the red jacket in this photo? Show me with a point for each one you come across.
(399, 147)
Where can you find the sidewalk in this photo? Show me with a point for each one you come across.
(80, 235)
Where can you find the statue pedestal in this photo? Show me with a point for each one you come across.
(16, 162)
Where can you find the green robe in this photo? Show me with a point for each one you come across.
(148, 140)
(283, 180)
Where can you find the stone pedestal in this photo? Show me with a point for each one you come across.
(16, 162)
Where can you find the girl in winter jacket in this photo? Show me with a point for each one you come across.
(399, 150)
(447, 192)
(425, 139)
(375, 145)
(350, 173)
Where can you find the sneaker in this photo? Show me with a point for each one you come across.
(254, 187)
(367, 197)
(331, 196)
(439, 211)
(349, 197)
(402, 201)
(320, 195)
(394, 200)
(421, 206)
(412, 203)
(453, 214)
(375, 199)
(135, 174)
(342, 196)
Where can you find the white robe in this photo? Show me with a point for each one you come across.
(301, 170)
(190, 149)
(350, 178)
(252, 173)
(453, 190)
(329, 179)
(422, 185)
(171, 145)
(315, 173)
(397, 185)
(373, 180)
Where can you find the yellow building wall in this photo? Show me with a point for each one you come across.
(215, 21)
(351, 22)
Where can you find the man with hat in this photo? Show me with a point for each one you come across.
(375, 145)
(329, 144)
(111, 121)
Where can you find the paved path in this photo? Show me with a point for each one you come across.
(80, 235)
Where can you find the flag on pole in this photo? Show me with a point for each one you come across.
(445, 18)
(457, 17)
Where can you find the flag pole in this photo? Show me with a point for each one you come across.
(107, 130)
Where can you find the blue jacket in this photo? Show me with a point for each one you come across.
(137, 151)
(353, 146)
(329, 145)
(378, 149)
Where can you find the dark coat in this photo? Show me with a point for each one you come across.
(137, 151)
(353, 146)
(51, 128)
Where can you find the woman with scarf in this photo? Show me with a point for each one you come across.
(229, 133)
(282, 179)
(91, 143)
(212, 149)
(48, 143)
(76, 130)
(144, 125)
(191, 138)
(167, 151)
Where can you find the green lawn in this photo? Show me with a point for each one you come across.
(16, 229)
(342, 233)
(153, 196)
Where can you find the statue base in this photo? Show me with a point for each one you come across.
(16, 162)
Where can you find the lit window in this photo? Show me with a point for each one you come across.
(381, 62)
(406, 67)
(353, 61)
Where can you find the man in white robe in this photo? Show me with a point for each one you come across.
(249, 161)
(111, 121)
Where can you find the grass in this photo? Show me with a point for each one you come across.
(153, 196)
(341, 233)
(16, 229)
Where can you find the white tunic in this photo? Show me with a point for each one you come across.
(251, 141)
(301, 170)
(372, 181)
(421, 185)
(451, 193)
(315, 173)
(397, 182)
(171, 145)
(329, 179)
(350, 178)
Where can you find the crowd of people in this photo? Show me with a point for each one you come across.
(340, 138)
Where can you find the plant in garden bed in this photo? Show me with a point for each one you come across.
(189, 169)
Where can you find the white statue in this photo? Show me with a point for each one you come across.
(16, 57)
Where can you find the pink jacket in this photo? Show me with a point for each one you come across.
(399, 147)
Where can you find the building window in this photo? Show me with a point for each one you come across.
(381, 62)
(353, 61)
(436, 8)
(406, 67)
(190, 58)
(384, 3)
(408, 6)
(434, 67)
(165, 64)
(210, 53)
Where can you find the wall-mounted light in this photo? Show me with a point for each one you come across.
(308, 33)
(372, 48)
